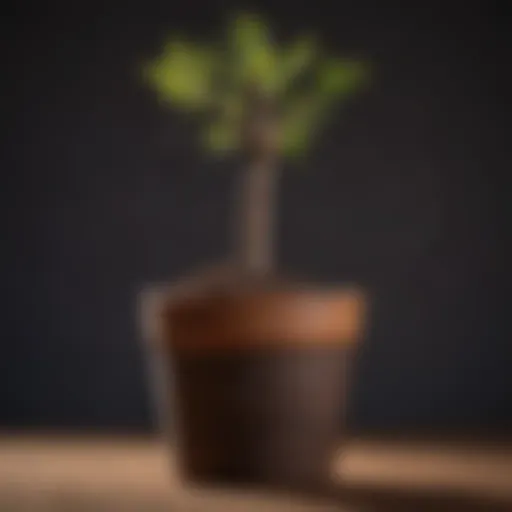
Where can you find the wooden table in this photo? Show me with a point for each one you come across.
(73, 473)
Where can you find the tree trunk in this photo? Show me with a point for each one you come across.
(256, 218)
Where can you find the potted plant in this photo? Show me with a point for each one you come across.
(259, 361)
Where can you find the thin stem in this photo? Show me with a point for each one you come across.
(255, 232)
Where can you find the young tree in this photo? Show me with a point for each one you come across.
(253, 97)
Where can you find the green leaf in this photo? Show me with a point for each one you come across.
(255, 57)
(221, 136)
(182, 75)
(305, 117)
(295, 60)
(338, 77)
(301, 121)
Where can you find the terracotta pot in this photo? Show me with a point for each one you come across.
(260, 382)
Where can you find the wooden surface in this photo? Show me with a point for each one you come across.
(82, 474)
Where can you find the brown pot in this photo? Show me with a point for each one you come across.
(261, 380)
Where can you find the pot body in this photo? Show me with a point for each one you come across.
(259, 398)
(267, 417)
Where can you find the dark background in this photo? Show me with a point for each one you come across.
(104, 192)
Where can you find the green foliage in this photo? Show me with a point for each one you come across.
(182, 75)
(338, 77)
(334, 81)
(255, 58)
(221, 136)
(197, 78)
(294, 61)
(298, 125)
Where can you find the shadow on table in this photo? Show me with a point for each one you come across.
(397, 500)
(369, 498)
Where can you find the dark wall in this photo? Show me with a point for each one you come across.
(105, 192)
